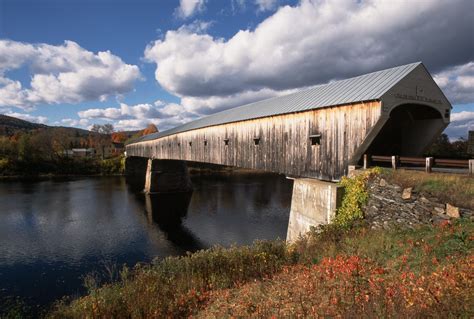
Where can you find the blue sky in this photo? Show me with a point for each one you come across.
(174, 61)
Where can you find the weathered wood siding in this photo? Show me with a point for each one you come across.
(284, 147)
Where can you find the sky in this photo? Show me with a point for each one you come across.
(167, 62)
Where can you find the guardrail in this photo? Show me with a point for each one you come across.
(427, 162)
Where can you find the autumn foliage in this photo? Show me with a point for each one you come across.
(332, 272)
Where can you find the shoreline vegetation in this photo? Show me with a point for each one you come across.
(331, 272)
(342, 270)
(339, 270)
(114, 166)
(61, 167)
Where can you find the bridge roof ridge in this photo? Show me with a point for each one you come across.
(365, 87)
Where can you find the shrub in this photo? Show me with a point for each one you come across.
(115, 165)
(176, 286)
(4, 165)
(355, 197)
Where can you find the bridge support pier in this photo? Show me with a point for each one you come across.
(135, 171)
(313, 203)
(167, 176)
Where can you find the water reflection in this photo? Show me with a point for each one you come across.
(168, 211)
(53, 232)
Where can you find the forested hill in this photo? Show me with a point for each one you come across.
(11, 125)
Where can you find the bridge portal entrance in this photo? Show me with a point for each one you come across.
(409, 129)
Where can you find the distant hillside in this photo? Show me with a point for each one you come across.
(10, 125)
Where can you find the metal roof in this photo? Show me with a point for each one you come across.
(365, 87)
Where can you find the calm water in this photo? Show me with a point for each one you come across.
(54, 232)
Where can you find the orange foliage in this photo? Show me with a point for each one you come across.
(118, 137)
(151, 128)
(350, 286)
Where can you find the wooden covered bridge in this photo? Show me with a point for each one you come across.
(316, 133)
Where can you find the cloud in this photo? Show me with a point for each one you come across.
(141, 111)
(461, 123)
(65, 73)
(136, 117)
(314, 42)
(237, 5)
(188, 8)
(75, 122)
(14, 54)
(212, 104)
(458, 83)
(28, 117)
(197, 26)
(266, 5)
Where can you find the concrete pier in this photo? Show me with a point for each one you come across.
(167, 176)
(313, 203)
(135, 171)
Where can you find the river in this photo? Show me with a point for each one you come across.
(53, 232)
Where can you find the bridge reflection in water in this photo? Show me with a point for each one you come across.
(167, 211)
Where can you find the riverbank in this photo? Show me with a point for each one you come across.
(61, 167)
(351, 270)
(347, 273)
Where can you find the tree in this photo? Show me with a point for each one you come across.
(24, 147)
(442, 147)
(103, 129)
(150, 129)
(119, 137)
(101, 137)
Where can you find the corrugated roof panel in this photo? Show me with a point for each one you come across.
(361, 88)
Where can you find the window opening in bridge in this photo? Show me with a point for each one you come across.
(446, 113)
(226, 141)
(315, 139)
(190, 143)
(179, 144)
(256, 140)
(205, 142)
(169, 145)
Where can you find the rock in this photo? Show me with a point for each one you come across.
(424, 200)
(406, 193)
(452, 211)
(387, 207)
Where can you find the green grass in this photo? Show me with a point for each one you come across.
(195, 284)
(455, 189)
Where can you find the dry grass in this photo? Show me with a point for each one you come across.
(351, 287)
(336, 273)
(455, 189)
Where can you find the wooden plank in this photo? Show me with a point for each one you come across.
(284, 142)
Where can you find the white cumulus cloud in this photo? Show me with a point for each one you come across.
(461, 124)
(136, 117)
(266, 5)
(314, 42)
(75, 122)
(188, 8)
(64, 73)
(458, 83)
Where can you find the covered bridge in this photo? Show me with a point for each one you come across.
(316, 132)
